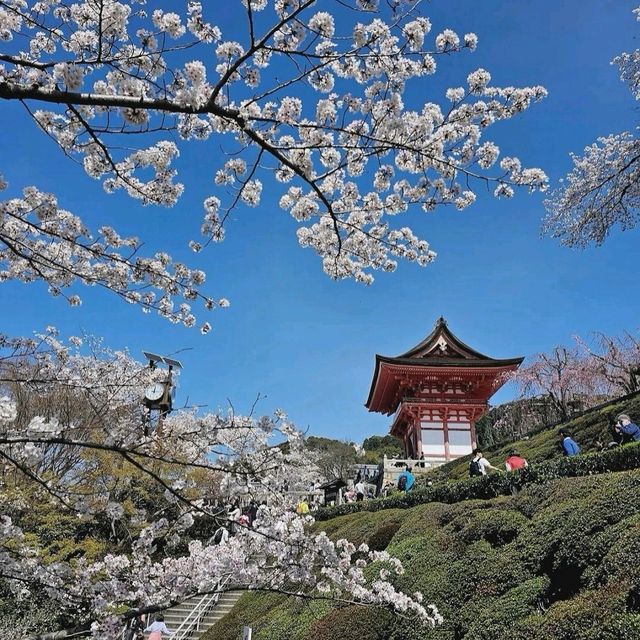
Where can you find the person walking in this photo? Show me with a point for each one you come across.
(479, 465)
(157, 629)
(569, 446)
(233, 517)
(360, 490)
(134, 628)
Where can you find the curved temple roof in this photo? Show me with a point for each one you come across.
(440, 350)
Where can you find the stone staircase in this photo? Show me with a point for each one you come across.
(175, 616)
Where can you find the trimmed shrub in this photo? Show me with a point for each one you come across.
(566, 537)
(379, 540)
(498, 621)
(591, 615)
(359, 528)
(621, 560)
(351, 623)
(292, 619)
(496, 527)
(250, 610)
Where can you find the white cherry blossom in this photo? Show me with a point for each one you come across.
(602, 190)
(316, 102)
(188, 461)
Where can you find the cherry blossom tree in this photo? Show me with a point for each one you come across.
(146, 506)
(602, 190)
(564, 376)
(615, 359)
(323, 103)
(581, 375)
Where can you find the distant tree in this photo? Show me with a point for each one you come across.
(566, 377)
(313, 101)
(580, 376)
(603, 188)
(616, 359)
(376, 447)
(514, 420)
(334, 458)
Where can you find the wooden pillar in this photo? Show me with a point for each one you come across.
(445, 426)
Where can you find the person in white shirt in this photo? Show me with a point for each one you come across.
(233, 516)
(157, 629)
(360, 490)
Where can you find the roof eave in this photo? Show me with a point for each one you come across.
(441, 362)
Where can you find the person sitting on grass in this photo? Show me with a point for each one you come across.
(630, 430)
(515, 461)
(568, 444)
(479, 465)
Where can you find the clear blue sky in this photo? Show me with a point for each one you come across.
(308, 343)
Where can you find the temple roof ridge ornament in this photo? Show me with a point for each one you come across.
(441, 342)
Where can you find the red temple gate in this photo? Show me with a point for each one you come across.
(437, 390)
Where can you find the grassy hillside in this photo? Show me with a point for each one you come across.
(559, 560)
(588, 429)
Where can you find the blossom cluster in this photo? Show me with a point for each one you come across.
(602, 189)
(44, 241)
(356, 155)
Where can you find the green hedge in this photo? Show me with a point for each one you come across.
(619, 459)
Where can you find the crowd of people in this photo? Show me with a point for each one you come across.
(622, 430)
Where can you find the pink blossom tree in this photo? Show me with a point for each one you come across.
(566, 377)
(585, 374)
(615, 359)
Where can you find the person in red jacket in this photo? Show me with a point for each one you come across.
(515, 461)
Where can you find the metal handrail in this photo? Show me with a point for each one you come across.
(196, 614)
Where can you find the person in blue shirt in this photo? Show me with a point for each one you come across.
(630, 430)
(406, 479)
(569, 445)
